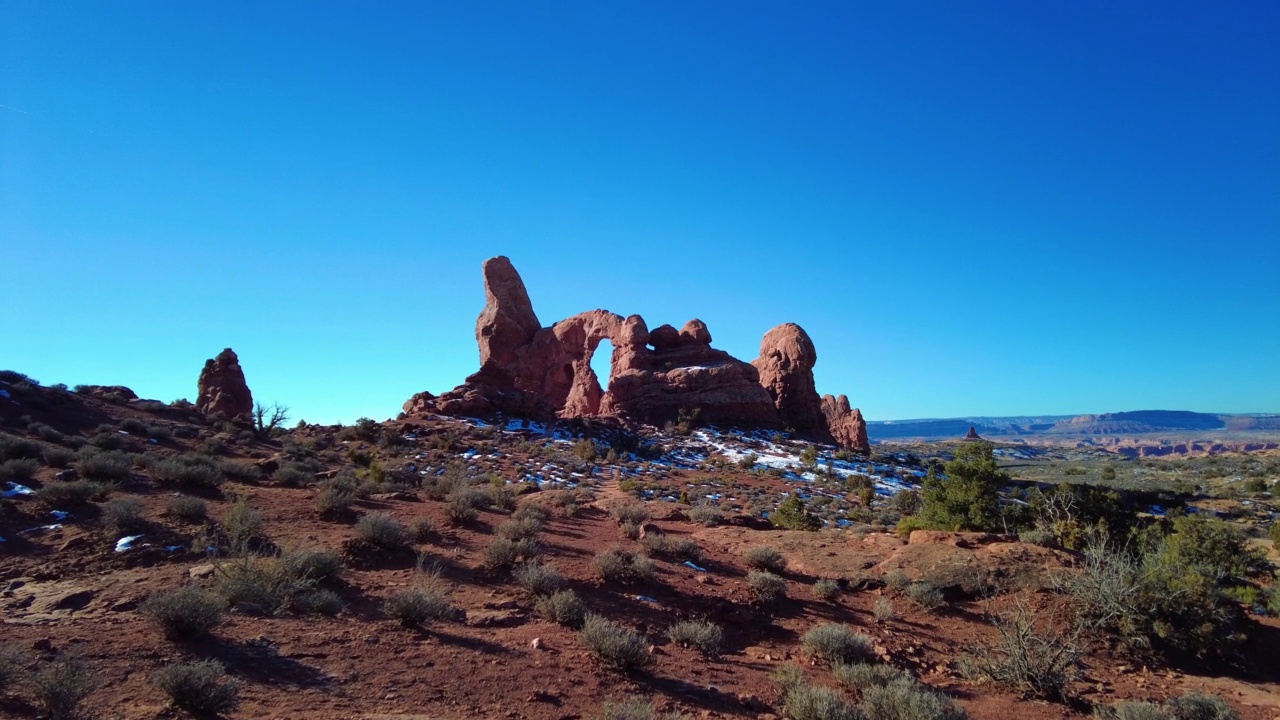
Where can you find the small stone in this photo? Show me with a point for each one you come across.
(202, 571)
(536, 643)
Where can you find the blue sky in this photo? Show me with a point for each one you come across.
(973, 208)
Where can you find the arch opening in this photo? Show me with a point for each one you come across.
(602, 363)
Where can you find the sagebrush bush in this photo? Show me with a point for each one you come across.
(667, 546)
(538, 579)
(767, 586)
(882, 611)
(461, 507)
(424, 529)
(836, 643)
(292, 475)
(1192, 706)
(787, 677)
(518, 529)
(905, 699)
(1038, 662)
(122, 515)
(75, 492)
(703, 635)
(184, 614)
(13, 447)
(261, 583)
(243, 525)
(334, 499)
(311, 565)
(187, 508)
(419, 606)
(926, 595)
(631, 513)
(199, 686)
(765, 558)
(614, 646)
(706, 515)
(503, 552)
(813, 702)
(564, 608)
(105, 467)
(58, 457)
(62, 685)
(826, 589)
(857, 677)
(320, 602)
(189, 470)
(532, 511)
(896, 581)
(12, 661)
(633, 707)
(382, 530)
(18, 470)
(618, 565)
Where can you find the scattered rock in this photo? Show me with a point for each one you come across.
(202, 571)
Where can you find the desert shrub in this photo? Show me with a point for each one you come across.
(907, 502)
(767, 559)
(199, 686)
(836, 643)
(1038, 536)
(461, 508)
(793, 515)
(46, 432)
(926, 595)
(531, 511)
(310, 565)
(1171, 593)
(319, 602)
(519, 528)
(767, 586)
(1038, 663)
(826, 589)
(896, 581)
(631, 513)
(292, 475)
(18, 470)
(630, 530)
(188, 470)
(1072, 512)
(239, 471)
(184, 614)
(538, 579)
(107, 440)
(882, 611)
(187, 508)
(905, 699)
(503, 552)
(968, 498)
(618, 565)
(58, 457)
(106, 467)
(13, 447)
(261, 583)
(75, 492)
(667, 546)
(706, 515)
(122, 514)
(62, 685)
(12, 661)
(563, 607)
(813, 702)
(613, 646)
(243, 525)
(424, 529)
(419, 606)
(1130, 710)
(857, 677)
(1192, 706)
(703, 635)
(502, 498)
(383, 531)
(787, 677)
(334, 499)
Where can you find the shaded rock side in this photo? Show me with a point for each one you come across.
(786, 361)
(507, 321)
(845, 424)
(222, 389)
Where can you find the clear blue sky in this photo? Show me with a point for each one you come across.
(973, 208)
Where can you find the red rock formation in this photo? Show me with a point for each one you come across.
(845, 424)
(972, 434)
(531, 371)
(222, 388)
(786, 361)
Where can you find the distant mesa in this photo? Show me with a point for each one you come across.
(222, 388)
(657, 376)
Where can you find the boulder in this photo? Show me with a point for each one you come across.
(222, 388)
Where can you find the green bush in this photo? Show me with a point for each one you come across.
(882, 611)
(261, 583)
(618, 565)
(503, 552)
(311, 565)
(767, 586)
(75, 492)
(13, 447)
(383, 531)
(58, 457)
(122, 515)
(703, 635)
(1192, 706)
(200, 687)
(519, 528)
(105, 467)
(614, 646)
(767, 559)
(792, 515)
(423, 530)
(188, 470)
(631, 514)
(968, 498)
(706, 515)
(857, 677)
(243, 525)
(563, 607)
(832, 643)
(334, 499)
(12, 662)
(18, 470)
(319, 602)
(292, 475)
(667, 546)
(184, 614)
(926, 595)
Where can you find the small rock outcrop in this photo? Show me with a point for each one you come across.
(656, 376)
(972, 434)
(222, 388)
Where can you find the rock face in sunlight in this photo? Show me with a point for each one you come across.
(222, 388)
(658, 376)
